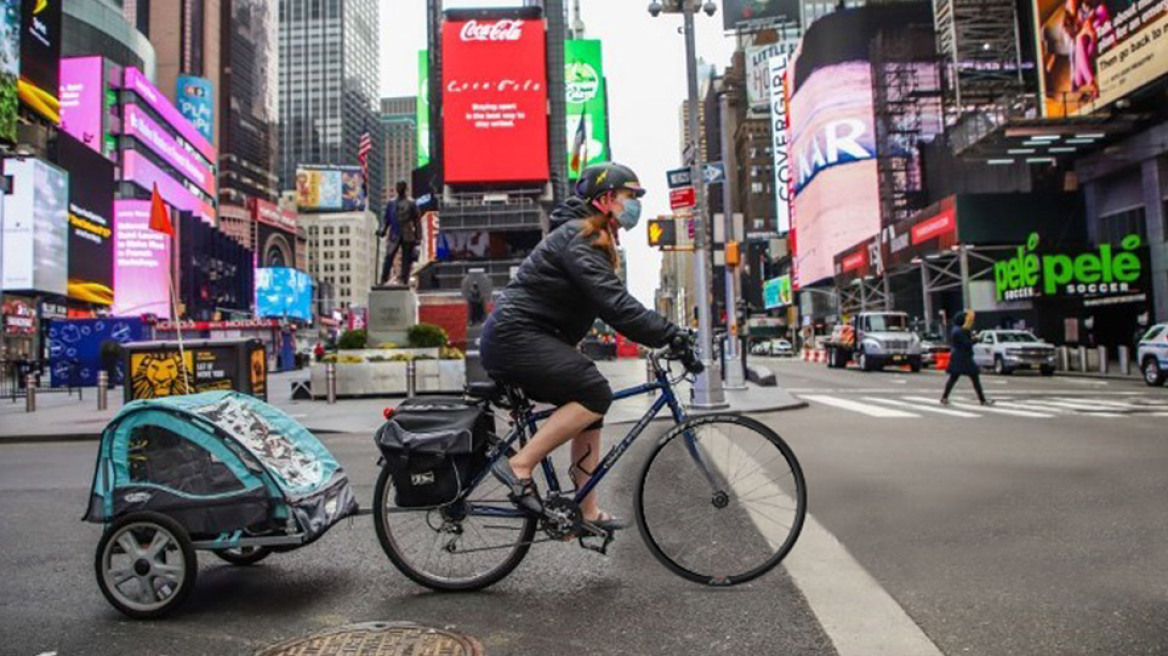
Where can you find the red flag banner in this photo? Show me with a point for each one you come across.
(159, 217)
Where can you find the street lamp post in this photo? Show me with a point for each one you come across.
(707, 388)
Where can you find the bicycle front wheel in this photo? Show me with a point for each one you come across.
(721, 500)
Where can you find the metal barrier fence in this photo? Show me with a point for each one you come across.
(15, 380)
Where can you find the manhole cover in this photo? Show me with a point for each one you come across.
(378, 639)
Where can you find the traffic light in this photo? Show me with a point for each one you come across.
(662, 233)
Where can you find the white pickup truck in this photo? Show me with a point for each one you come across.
(1007, 350)
(1152, 354)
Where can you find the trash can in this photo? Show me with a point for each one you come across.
(155, 369)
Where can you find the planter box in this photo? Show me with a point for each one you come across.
(389, 378)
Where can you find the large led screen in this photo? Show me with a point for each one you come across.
(283, 292)
(91, 221)
(330, 189)
(739, 12)
(1096, 51)
(40, 56)
(833, 151)
(587, 105)
(135, 81)
(83, 100)
(9, 67)
(194, 97)
(494, 99)
(36, 223)
(138, 124)
(141, 262)
(422, 110)
(141, 171)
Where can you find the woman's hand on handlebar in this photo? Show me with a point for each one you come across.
(681, 347)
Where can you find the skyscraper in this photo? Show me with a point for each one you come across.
(329, 79)
(399, 123)
(248, 115)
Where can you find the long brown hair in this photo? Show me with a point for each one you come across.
(597, 224)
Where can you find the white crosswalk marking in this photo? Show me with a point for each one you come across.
(917, 406)
(1085, 407)
(983, 408)
(856, 406)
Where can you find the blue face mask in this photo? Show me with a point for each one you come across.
(630, 214)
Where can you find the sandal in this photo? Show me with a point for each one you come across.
(607, 521)
(521, 491)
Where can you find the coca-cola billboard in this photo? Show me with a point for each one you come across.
(494, 93)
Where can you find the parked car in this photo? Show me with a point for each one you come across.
(931, 345)
(773, 347)
(1007, 350)
(1152, 354)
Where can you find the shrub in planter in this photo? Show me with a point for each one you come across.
(350, 359)
(353, 340)
(426, 335)
(387, 345)
(331, 357)
(451, 353)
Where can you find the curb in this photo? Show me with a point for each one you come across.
(50, 438)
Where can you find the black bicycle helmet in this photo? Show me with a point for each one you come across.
(607, 176)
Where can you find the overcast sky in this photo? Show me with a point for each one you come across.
(644, 61)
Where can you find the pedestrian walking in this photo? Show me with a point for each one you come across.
(961, 357)
(403, 224)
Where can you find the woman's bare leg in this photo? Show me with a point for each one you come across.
(585, 456)
(566, 422)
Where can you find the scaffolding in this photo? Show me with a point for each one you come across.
(906, 84)
(979, 42)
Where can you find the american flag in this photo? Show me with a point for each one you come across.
(363, 148)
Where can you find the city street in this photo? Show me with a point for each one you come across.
(1031, 527)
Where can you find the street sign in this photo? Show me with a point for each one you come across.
(662, 232)
(682, 197)
(678, 178)
(713, 172)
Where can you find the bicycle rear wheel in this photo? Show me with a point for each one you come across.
(454, 547)
(721, 500)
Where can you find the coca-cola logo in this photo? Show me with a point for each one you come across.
(501, 30)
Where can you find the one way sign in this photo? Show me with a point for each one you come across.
(713, 172)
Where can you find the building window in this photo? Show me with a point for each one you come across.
(1114, 227)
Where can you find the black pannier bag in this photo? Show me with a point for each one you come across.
(431, 446)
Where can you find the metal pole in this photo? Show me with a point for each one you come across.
(928, 299)
(707, 388)
(735, 374)
(1083, 358)
(330, 382)
(964, 261)
(411, 379)
(1124, 360)
(30, 393)
(1104, 365)
(102, 390)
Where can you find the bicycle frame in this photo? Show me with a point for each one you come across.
(526, 426)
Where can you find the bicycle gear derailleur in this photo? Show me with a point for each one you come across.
(562, 520)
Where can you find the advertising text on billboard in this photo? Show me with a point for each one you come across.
(1096, 51)
(495, 101)
(759, 68)
(587, 110)
(141, 171)
(738, 13)
(136, 123)
(40, 56)
(134, 80)
(141, 262)
(83, 100)
(91, 221)
(779, 128)
(194, 98)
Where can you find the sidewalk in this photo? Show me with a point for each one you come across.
(61, 418)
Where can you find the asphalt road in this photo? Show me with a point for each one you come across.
(1035, 532)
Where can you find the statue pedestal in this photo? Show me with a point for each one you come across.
(392, 310)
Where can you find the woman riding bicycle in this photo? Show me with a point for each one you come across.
(529, 341)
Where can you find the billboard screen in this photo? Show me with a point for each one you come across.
(330, 189)
(141, 171)
(422, 107)
(40, 56)
(36, 243)
(739, 12)
(1106, 49)
(83, 100)
(495, 100)
(9, 67)
(777, 292)
(779, 142)
(758, 73)
(194, 100)
(138, 124)
(91, 221)
(283, 292)
(135, 81)
(141, 262)
(587, 105)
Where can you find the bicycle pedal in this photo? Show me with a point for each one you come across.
(589, 542)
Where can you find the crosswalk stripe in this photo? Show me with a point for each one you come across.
(1092, 408)
(856, 406)
(1033, 406)
(983, 408)
(917, 406)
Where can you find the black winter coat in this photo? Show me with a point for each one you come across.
(566, 283)
(961, 354)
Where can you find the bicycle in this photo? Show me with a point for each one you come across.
(481, 537)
